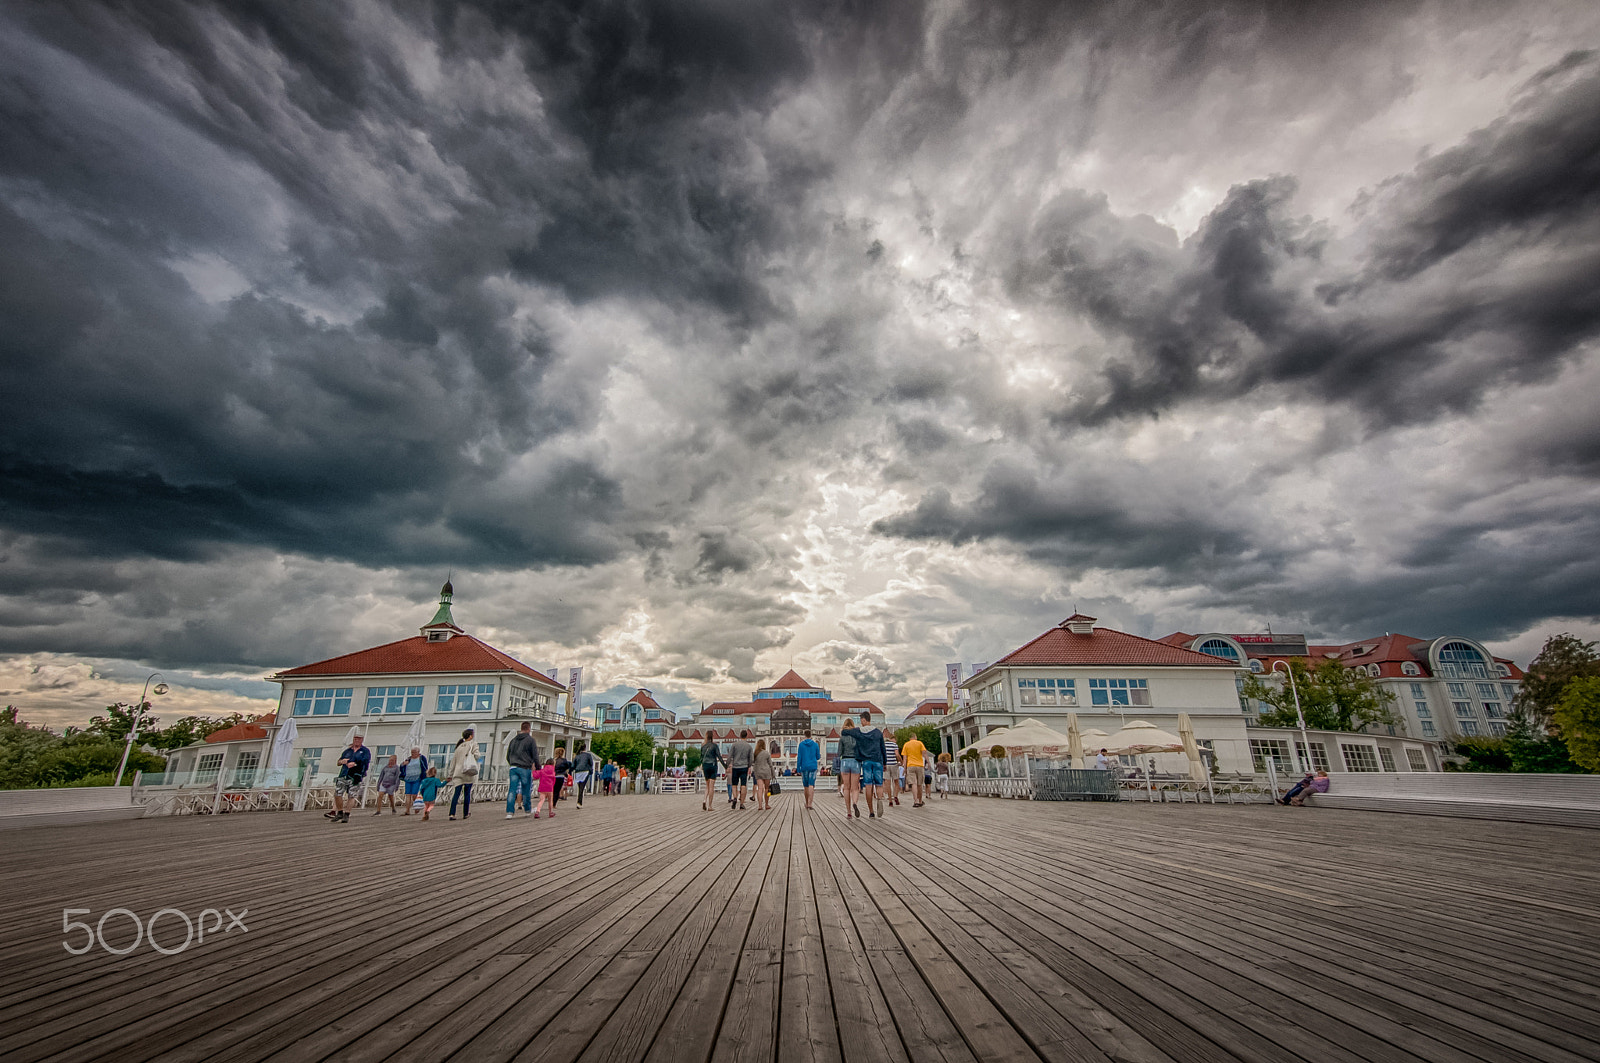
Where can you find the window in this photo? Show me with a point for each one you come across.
(1119, 692)
(333, 701)
(467, 697)
(1319, 755)
(1218, 648)
(1464, 710)
(208, 767)
(393, 700)
(1386, 756)
(1502, 669)
(1457, 660)
(1410, 668)
(1263, 749)
(1491, 709)
(1468, 727)
(1255, 666)
(1428, 730)
(1417, 691)
(1497, 728)
(1417, 759)
(1509, 691)
(1358, 758)
(386, 751)
(1374, 671)
(833, 747)
(1423, 712)
(518, 698)
(438, 751)
(1457, 690)
(1047, 691)
(1486, 692)
(244, 772)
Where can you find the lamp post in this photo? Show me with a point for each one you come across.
(1305, 740)
(138, 715)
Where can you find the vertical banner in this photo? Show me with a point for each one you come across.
(952, 677)
(575, 692)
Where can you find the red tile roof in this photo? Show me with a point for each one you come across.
(768, 706)
(929, 708)
(244, 732)
(791, 681)
(463, 653)
(643, 699)
(1108, 647)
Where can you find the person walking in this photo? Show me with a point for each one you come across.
(871, 750)
(546, 777)
(353, 764)
(563, 766)
(912, 754)
(761, 767)
(428, 790)
(941, 775)
(891, 769)
(739, 759)
(582, 768)
(388, 784)
(607, 773)
(414, 769)
(522, 754)
(807, 757)
(710, 757)
(463, 771)
(1102, 762)
(850, 768)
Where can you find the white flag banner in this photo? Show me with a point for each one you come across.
(575, 686)
(952, 678)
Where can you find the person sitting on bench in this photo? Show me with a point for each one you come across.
(1317, 784)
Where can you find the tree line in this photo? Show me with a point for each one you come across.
(33, 757)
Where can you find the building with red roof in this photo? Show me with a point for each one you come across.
(1443, 687)
(440, 682)
(826, 717)
(641, 712)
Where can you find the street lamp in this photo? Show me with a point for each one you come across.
(138, 715)
(1305, 740)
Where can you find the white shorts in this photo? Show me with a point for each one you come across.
(944, 783)
(580, 777)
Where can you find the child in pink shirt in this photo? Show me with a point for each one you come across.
(547, 788)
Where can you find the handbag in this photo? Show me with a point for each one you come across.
(774, 788)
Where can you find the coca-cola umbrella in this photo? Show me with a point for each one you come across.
(1142, 736)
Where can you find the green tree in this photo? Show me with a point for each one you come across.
(1565, 657)
(189, 730)
(117, 721)
(36, 756)
(1332, 697)
(926, 733)
(631, 749)
(1577, 716)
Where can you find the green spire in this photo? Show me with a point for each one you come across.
(443, 615)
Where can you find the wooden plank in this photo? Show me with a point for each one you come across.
(807, 1028)
(749, 1028)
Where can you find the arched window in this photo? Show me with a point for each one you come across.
(1219, 648)
(1410, 668)
(1374, 671)
(1255, 666)
(1502, 670)
(1461, 660)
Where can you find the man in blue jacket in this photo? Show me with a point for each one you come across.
(353, 764)
(807, 757)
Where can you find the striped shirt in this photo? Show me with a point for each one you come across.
(891, 755)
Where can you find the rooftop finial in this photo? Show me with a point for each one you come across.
(438, 629)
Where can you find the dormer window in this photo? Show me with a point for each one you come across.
(1410, 668)
(440, 635)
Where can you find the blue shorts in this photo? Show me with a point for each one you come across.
(414, 787)
(871, 773)
(848, 766)
(808, 776)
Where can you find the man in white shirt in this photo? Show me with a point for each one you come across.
(1102, 762)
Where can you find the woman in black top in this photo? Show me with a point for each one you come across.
(710, 755)
(563, 767)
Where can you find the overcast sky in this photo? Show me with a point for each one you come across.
(702, 339)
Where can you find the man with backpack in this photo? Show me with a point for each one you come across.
(353, 764)
(522, 753)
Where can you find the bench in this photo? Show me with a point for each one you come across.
(68, 805)
(1561, 800)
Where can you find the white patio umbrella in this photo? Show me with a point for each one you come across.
(282, 746)
(987, 742)
(1095, 739)
(1031, 736)
(1142, 736)
(1074, 740)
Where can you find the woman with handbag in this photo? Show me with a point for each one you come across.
(761, 764)
(463, 771)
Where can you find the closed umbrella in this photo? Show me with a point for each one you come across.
(1197, 767)
(1074, 740)
(282, 746)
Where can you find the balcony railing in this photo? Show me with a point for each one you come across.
(535, 712)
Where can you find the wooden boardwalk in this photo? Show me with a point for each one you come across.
(643, 928)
